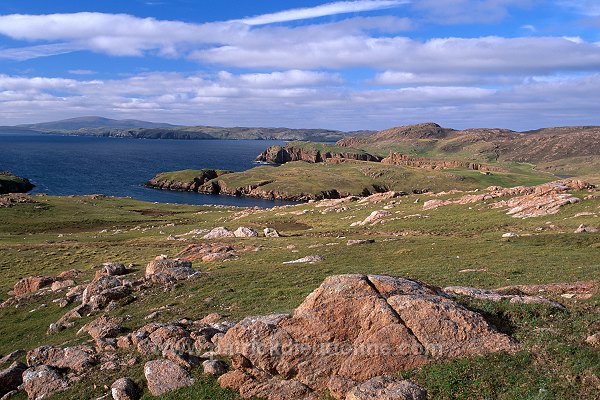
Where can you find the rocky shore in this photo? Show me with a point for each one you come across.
(10, 183)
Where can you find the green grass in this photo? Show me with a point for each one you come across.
(60, 233)
(368, 177)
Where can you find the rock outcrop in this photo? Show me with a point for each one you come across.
(312, 153)
(43, 381)
(32, 284)
(526, 201)
(170, 269)
(429, 163)
(10, 183)
(354, 328)
(163, 181)
(164, 376)
(125, 389)
(12, 377)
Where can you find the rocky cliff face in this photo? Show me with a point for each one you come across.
(160, 182)
(282, 155)
(10, 183)
(428, 163)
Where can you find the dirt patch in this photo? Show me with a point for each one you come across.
(288, 226)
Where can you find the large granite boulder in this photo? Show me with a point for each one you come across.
(354, 327)
(164, 376)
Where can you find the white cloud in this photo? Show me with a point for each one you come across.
(263, 100)
(468, 11)
(336, 8)
(590, 8)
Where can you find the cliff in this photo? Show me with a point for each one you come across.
(185, 181)
(10, 183)
(313, 153)
(428, 163)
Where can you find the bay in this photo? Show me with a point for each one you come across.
(61, 165)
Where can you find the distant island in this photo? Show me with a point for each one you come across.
(130, 128)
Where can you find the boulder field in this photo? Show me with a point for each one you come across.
(348, 339)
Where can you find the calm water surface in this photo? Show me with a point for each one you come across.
(66, 165)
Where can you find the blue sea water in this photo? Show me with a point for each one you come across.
(76, 165)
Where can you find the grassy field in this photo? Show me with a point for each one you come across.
(61, 233)
(360, 177)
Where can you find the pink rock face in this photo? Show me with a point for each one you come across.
(355, 327)
(43, 381)
(385, 388)
(103, 327)
(76, 358)
(32, 284)
(164, 376)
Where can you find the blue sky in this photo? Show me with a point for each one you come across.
(366, 64)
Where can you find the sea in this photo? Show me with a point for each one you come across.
(62, 165)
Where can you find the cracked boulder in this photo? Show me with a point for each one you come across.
(354, 327)
(165, 269)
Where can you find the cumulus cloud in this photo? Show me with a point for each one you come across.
(259, 100)
(468, 11)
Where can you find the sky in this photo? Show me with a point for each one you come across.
(348, 65)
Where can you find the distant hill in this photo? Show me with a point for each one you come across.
(482, 144)
(94, 122)
(99, 126)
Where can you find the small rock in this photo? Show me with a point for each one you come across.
(353, 242)
(12, 377)
(307, 259)
(59, 285)
(586, 229)
(125, 389)
(219, 232)
(164, 376)
(103, 327)
(385, 388)
(211, 318)
(70, 274)
(593, 340)
(111, 269)
(32, 284)
(42, 381)
(374, 217)
(214, 367)
(510, 235)
(213, 257)
(271, 233)
(12, 356)
(243, 232)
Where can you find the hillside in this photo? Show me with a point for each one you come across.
(90, 278)
(99, 126)
(482, 144)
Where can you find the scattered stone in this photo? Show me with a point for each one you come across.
(60, 285)
(103, 327)
(125, 389)
(375, 217)
(379, 197)
(578, 290)
(164, 376)
(271, 233)
(69, 274)
(387, 388)
(32, 284)
(510, 235)
(353, 242)
(214, 257)
(173, 268)
(76, 358)
(43, 381)
(103, 290)
(349, 322)
(218, 233)
(490, 295)
(12, 356)
(593, 340)
(211, 318)
(244, 232)
(307, 259)
(12, 377)
(111, 269)
(214, 367)
(586, 229)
